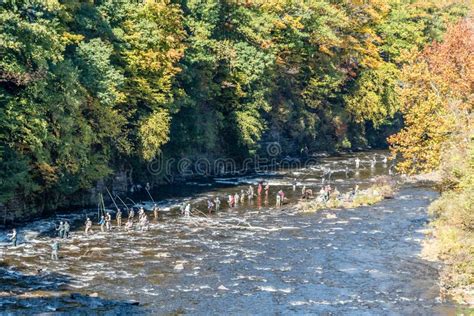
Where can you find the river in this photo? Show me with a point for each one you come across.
(251, 259)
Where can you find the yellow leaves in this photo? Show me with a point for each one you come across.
(324, 49)
(437, 83)
(153, 133)
(279, 24)
(69, 38)
(293, 22)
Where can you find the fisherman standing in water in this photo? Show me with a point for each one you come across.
(156, 210)
(357, 162)
(102, 223)
(217, 201)
(144, 222)
(236, 198)
(294, 184)
(54, 250)
(372, 163)
(13, 237)
(210, 206)
(282, 196)
(129, 224)
(187, 210)
(118, 217)
(67, 228)
(108, 221)
(259, 189)
(250, 192)
(141, 211)
(88, 226)
(60, 229)
(267, 190)
(278, 200)
(131, 214)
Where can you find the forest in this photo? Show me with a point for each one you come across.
(88, 88)
(92, 88)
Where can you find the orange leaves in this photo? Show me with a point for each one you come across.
(436, 99)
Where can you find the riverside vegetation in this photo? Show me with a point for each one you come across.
(437, 104)
(92, 88)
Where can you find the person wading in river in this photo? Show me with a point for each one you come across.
(141, 211)
(187, 210)
(102, 223)
(88, 226)
(118, 218)
(60, 229)
(108, 221)
(236, 198)
(131, 214)
(372, 163)
(282, 197)
(13, 237)
(217, 201)
(210, 206)
(156, 211)
(54, 250)
(259, 189)
(250, 192)
(357, 162)
(67, 229)
(129, 225)
(267, 190)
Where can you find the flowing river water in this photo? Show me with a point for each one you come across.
(250, 259)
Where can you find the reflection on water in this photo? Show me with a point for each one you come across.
(253, 258)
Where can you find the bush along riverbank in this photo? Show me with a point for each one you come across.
(437, 107)
(451, 238)
(383, 188)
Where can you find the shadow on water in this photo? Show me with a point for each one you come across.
(45, 291)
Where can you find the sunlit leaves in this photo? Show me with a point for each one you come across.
(154, 132)
(374, 97)
(436, 99)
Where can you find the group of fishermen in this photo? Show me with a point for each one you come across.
(63, 229)
(105, 221)
(234, 199)
(63, 233)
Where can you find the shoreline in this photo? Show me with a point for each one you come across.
(463, 295)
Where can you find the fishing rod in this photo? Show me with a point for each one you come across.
(149, 195)
(112, 199)
(102, 203)
(118, 197)
(131, 200)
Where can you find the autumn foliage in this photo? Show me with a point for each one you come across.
(436, 100)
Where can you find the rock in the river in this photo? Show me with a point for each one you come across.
(178, 267)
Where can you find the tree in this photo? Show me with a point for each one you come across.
(436, 99)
